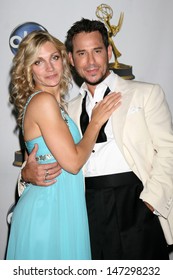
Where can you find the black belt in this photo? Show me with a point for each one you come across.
(113, 180)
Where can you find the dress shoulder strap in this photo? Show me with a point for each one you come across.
(24, 110)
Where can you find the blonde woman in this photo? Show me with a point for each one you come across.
(51, 222)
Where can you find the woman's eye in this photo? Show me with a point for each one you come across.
(37, 62)
(56, 57)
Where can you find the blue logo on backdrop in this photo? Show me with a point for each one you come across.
(20, 32)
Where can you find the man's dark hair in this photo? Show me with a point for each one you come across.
(86, 25)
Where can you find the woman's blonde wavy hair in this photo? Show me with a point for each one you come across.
(22, 82)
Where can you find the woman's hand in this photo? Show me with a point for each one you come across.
(104, 109)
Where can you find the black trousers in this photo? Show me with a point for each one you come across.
(121, 225)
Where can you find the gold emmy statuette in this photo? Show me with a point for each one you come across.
(105, 13)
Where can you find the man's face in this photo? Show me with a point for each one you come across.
(90, 57)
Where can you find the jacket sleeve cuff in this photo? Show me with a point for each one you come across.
(20, 182)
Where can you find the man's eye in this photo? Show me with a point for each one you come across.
(98, 51)
(81, 53)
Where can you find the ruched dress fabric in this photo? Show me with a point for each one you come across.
(50, 223)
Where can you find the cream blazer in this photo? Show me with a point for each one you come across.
(142, 127)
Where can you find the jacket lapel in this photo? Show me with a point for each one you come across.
(119, 116)
(75, 109)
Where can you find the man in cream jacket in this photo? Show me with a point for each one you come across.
(143, 132)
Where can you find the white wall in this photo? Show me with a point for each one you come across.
(145, 41)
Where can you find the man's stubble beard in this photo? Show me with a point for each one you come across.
(96, 82)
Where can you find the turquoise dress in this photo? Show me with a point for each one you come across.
(50, 223)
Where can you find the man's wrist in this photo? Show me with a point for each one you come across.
(155, 212)
(22, 181)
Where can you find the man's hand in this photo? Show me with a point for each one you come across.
(149, 206)
(40, 174)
